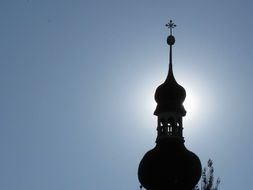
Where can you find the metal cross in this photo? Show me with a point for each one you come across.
(170, 25)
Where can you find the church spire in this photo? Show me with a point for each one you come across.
(170, 95)
(170, 42)
(169, 165)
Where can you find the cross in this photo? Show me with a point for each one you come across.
(170, 25)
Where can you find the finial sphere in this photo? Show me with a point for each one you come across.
(171, 40)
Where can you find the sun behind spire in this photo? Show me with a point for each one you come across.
(170, 95)
(169, 165)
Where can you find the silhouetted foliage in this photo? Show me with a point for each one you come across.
(207, 178)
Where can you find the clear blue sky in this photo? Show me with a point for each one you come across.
(77, 79)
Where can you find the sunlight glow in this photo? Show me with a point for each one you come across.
(191, 104)
(199, 105)
(199, 102)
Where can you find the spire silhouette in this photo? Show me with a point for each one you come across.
(170, 95)
(169, 165)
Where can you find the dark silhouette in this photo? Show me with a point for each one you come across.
(169, 165)
(207, 181)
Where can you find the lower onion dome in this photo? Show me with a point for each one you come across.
(169, 166)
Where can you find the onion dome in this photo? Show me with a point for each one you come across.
(170, 95)
(169, 166)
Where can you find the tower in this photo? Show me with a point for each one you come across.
(169, 165)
